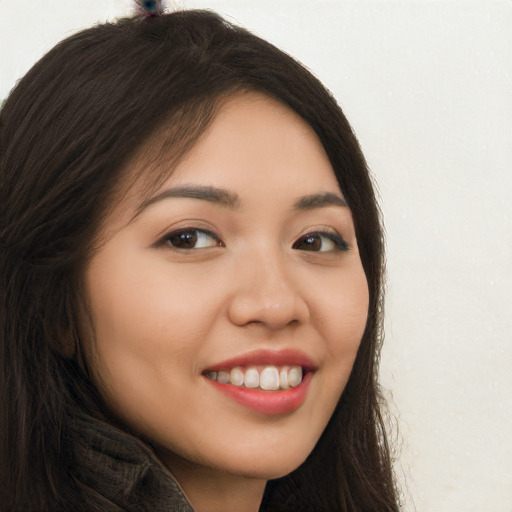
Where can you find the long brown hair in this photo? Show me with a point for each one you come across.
(67, 129)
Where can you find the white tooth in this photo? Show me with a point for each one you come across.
(283, 378)
(269, 378)
(294, 376)
(251, 378)
(223, 377)
(212, 375)
(236, 377)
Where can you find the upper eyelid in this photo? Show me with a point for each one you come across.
(192, 228)
(163, 239)
(323, 230)
(187, 225)
(328, 234)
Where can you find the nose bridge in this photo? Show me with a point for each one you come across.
(266, 291)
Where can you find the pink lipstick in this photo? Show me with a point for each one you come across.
(266, 381)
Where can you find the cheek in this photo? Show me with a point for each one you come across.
(138, 298)
(341, 318)
(146, 332)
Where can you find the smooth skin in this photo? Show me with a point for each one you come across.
(248, 245)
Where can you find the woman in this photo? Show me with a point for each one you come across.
(191, 280)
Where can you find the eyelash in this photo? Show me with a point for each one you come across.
(195, 235)
(339, 243)
(199, 234)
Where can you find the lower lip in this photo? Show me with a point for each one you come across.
(267, 402)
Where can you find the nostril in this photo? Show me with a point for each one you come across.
(267, 311)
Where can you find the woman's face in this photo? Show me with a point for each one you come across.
(242, 267)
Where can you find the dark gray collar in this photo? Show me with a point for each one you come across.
(119, 469)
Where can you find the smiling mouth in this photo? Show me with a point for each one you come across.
(271, 382)
(259, 387)
(266, 378)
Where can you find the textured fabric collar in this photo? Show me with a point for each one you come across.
(122, 471)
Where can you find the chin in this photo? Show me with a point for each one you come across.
(264, 467)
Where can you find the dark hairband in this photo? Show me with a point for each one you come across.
(149, 7)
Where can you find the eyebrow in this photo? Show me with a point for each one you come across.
(215, 195)
(321, 200)
(230, 200)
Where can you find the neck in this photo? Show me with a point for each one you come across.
(210, 490)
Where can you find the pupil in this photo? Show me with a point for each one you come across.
(313, 242)
(184, 240)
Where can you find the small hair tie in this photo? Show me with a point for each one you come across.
(147, 8)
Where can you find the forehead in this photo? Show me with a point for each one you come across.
(255, 146)
(255, 141)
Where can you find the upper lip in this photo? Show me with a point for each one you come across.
(289, 356)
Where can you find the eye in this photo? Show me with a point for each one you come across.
(192, 238)
(321, 242)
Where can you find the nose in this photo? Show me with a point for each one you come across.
(266, 293)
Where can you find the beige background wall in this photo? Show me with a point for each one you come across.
(427, 86)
